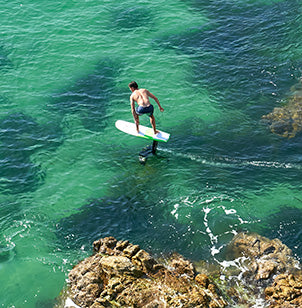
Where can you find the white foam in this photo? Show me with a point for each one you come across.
(229, 162)
(174, 212)
(70, 304)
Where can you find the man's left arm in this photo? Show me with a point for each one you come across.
(132, 103)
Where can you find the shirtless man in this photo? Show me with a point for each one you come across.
(141, 96)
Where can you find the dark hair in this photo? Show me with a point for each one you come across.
(133, 84)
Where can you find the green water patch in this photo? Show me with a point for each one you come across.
(80, 170)
(28, 252)
(44, 51)
(229, 56)
(35, 272)
(147, 21)
(20, 137)
(285, 225)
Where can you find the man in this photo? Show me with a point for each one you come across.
(141, 96)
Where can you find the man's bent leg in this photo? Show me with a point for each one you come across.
(136, 120)
(152, 121)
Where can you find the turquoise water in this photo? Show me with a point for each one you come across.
(68, 177)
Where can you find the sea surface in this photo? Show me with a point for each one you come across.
(69, 177)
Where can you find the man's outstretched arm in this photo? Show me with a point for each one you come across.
(156, 99)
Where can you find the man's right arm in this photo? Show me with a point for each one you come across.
(156, 99)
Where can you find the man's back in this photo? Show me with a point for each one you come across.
(141, 97)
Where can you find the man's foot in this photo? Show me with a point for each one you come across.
(156, 132)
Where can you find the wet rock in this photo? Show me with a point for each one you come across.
(180, 266)
(286, 291)
(120, 274)
(119, 265)
(286, 121)
(265, 257)
(87, 281)
(268, 264)
(104, 245)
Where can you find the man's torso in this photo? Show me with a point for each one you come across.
(141, 97)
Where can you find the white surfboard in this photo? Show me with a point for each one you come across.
(144, 132)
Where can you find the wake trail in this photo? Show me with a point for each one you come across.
(228, 162)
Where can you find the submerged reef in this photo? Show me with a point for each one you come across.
(286, 121)
(121, 274)
(20, 137)
(89, 97)
(5, 62)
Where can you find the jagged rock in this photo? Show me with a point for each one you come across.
(265, 257)
(203, 280)
(119, 265)
(121, 274)
(286, 121)
(267, 263)
(144, 261)
(286, 291)
(181, 266)
(87, 281)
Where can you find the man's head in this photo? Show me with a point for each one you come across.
(133, 85)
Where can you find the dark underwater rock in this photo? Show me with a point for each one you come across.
(5, 62)
(132, 18)
(20, 137)
(89, 96)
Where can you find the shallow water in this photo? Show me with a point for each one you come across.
(68, 177)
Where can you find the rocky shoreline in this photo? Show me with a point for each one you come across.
(259, 271)
(286, 121)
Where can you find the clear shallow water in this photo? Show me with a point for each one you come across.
(68, 177)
